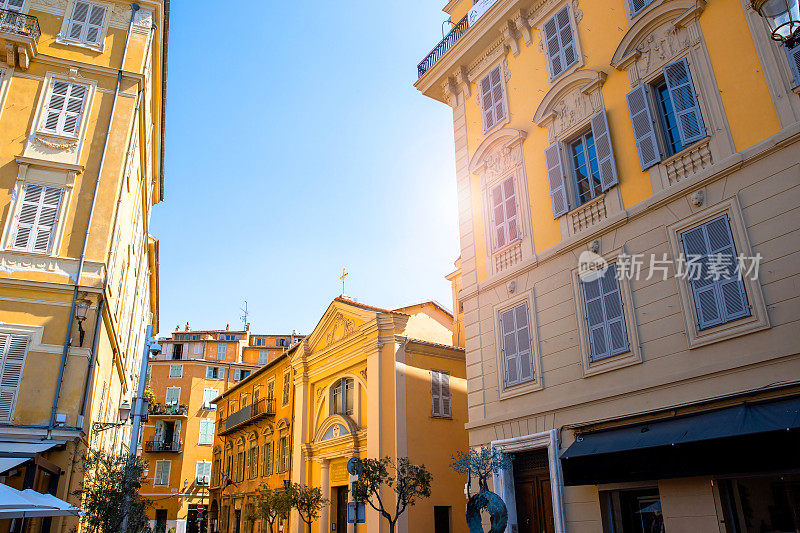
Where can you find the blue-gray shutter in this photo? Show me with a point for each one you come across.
(604, 150)
(559, 42)
(553, 46)
(684, 101)
(604, 318)
(555, 177)
(794, 62)
(524, 359)
(514, 325)
(716, 301)
(644, 129)
(510, 354)
(638, 5)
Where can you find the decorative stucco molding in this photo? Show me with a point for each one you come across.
(570, 103)
(340, 328)
(500, 152)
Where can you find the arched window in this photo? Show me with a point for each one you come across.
(342, 397)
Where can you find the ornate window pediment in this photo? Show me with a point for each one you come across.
(570, 103)
(657, 37)
(499, 153)
(335, 426)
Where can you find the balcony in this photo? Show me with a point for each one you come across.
(155, 446)
(19, 35)
(444, 45)
(166, 409)
(246, 414)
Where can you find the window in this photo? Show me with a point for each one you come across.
(637, 5)
(440, 394)
(271, 389)
(342, 397)
(239, 374)
(604, 317)
(560, 43)
(175, 371)
(590, 161)
(504, 212)
(195, 337)
(793, 53)
(13, 351)
(206, 432)
(441, 519)
(493, 103)
(12, 5)
(259, 342)
(177, 351)
(87, 23)
(286, 388)
(162, 473)
(37, 218)
(197, 348)
(777, 505)
(222, 351)
(215, 372)
(717, 287)
(263, 357)
(516, 345)
(64, 108)
(203, 472)
(229, 337)
(679, 122)
(208, 395)
(254, 462)
(283, 455)
(266, 459)
(173, 395)
(633, 511)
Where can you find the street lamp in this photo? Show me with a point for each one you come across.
(782, 16)
(81, 310)
(124, 413)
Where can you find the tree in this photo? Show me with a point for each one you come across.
(482, 463)
(271, 504)
(410, 483)
(108, 481)
(307, 500)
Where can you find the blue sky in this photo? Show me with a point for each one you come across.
(296, 146)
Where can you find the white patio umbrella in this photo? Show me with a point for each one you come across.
(29, 504)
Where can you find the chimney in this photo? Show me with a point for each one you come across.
(187, 326)
(178, 327)
(227, 327)
(247, 327)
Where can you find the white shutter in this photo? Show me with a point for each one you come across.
(198, 348)
(208, 395)
(644, 131)
(14, 349)
(444, 381)
(435, 394)
(65, 107)
(604, 150)
(77, 22)
(510, 354)
(555, 177)
(498, 216)
(12, 5)
(492, 100)
(560, 42)
(176, 436)
(209, 372)
(221, 373)
(158, 435)
(793, 54)
(94, 25)
(684, 102)
(37, 217)
(112, 261)
(524, 358)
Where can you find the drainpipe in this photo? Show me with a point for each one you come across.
(71, 318)
(92, 359)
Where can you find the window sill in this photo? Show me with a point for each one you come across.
(60, 39)
(729, 330)
(608, 364)
(438, 417)
(520, 389)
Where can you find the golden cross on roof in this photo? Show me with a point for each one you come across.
(345, 273)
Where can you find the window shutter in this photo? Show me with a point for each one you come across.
(498, 216)
(64, 110)
(176, 435)
(716, 301)
(13, 5)
(644, 131)
(553, 47)
(604, 150)
(94, 25)
(37, 217)
(221, 373)
(221, 351)
(444, 381)
(435, 394)
(794, 62)
(604, 318)
(14, 349)
(492, 101)
(560, 43)
(209, 372)
(78, 20)
(510, 353)
(523, 343)
(158, 436)
(555, 177)
(684, 101)
(595, 320)
(638, 5)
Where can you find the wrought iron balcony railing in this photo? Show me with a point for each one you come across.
(245, 414)
(19, 24)
(444, 45)
(163, 446)
(166, 409)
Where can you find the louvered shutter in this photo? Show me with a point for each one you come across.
(498, 216)
(37, 217)
(560, 42)
(492, 101)
(793, 54)
(524, 358)
(604, 150)
(510, 208)
(209, 372)
(176, 435)
(638, 5)
(593, 299)
(435, 394)
(65, 107)
(14, 350)
(722, 300)
(510, 354)
(555, 177)
(444, 381)
(644, 130)
(78, 20)
(684, 101)
(94, 24)
(158, 435)
(221, 373)
(553, 47)
(604, 318)
(12, 5)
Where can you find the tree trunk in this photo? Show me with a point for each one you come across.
(391, 526)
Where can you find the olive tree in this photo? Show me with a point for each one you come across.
(307, 500)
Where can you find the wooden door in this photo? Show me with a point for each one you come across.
(341, 509)
(533, 497)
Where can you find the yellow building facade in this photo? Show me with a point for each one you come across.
(252, 448)
(371, 382)
(192, 370)
(649, 129)
(82, 88)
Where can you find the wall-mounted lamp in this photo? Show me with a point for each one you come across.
(783, 18)
(81, 310)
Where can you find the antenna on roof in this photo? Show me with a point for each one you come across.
(245, 312)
